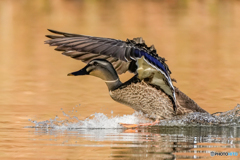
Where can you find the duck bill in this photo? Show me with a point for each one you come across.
(80, 72)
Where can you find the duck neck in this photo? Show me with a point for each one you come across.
(113, 84)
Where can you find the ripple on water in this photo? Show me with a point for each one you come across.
(174, 139)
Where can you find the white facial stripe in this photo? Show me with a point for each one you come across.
(112, 81)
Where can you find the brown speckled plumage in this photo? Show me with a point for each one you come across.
(152, 101)
(142, 97)
(186, 104)
(150, 90)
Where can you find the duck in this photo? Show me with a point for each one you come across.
(150, 90)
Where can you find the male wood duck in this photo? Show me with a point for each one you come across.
(150, 90)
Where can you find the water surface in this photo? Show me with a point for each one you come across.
(199, 39)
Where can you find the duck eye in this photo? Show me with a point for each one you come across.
(95, 63)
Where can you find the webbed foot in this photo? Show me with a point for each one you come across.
(138, 125)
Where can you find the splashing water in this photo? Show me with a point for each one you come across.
(100, 120)
(231, 117)
(97, 120)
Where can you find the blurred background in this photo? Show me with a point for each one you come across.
(199, 39)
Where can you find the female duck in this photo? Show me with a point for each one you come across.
(150, 90)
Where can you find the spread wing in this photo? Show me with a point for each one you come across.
(119, 53)
(122, 54)
(87, 48)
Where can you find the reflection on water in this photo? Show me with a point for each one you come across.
(192, 136)
(200, 40)
(148, 143)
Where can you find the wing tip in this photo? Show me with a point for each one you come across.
(46, 42)
(54, 31)
(48, 36)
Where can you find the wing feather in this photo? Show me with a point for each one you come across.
(120, 53)
(74, 45)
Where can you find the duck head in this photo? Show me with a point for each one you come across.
(103, 69)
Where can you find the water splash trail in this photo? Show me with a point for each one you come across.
(97, 120)
(101, 121)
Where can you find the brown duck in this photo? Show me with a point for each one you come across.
(150, 90)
